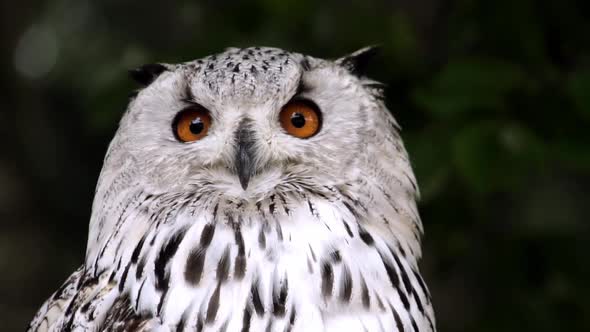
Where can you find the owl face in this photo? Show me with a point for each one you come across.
(247, 123)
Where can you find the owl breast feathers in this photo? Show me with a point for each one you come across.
(251, 190)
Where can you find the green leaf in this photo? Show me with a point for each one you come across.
(470, 85)
(578, 88)
(492, 156)
(573, 152)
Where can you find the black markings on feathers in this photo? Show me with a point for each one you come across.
(365, 293)
(347, 227)
(215, 211)
(395, 281)
(312, 209)
(312, 253)
(61, 289)
(161, 272)
(140, 267)
(401, 249)
(327, 279)
(398, 320)
(246, 320)
(199, 323)
(164, 257)
(223, 266)
(213, 305)
(261, 239)
(414, 326)
(345, 285)
(412, 182)
(280, 298)
(422, 284)
(366, 237)
(137, 250)
(379, 302)
(139, 294)
(279, 231)
(430, 323)
(194, 266)
(284, 204)
(124, 277)
(391, 272)
(120, 317)
(335, 256)
(271, 206)
(404, 298)
(402, 270)
(181, 324)
(207, 235)
(69, 312)
(256, 299)
(240, 262)
(418, 301)
(196, 258)
(114, 272)
(85, 307)
(292, 318)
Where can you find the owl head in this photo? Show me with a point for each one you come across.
(248, 123)
(236, 134)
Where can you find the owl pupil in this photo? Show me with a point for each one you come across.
(196, 126)
(297, 120)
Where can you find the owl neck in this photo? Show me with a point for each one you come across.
(357, 209)
(165, 249)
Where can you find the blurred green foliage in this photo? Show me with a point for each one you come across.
(493, 96)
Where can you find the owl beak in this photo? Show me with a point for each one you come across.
(245, 153)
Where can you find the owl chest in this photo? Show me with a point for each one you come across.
(314, 260)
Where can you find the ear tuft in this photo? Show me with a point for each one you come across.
(357, 62)
(146, 74)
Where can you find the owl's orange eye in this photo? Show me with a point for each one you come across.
(300, 118)
(191, 124)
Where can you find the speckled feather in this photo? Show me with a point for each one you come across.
(326, 237)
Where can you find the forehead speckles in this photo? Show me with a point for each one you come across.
(263, 72)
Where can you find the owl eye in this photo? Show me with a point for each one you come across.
(191, 124)
(301, 118)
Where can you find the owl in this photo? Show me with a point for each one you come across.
(251, 190)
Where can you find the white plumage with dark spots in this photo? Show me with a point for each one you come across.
(251, 190)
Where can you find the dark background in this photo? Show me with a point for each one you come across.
(493, 96)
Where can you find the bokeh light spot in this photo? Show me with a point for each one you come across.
(36, 52)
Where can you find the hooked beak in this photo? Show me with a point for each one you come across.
(245, 153)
